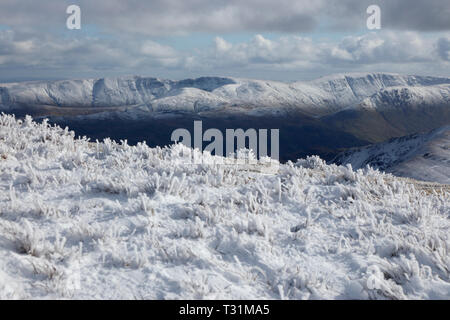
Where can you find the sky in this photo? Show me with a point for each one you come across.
(284, 40)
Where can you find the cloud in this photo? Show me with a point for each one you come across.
(297, 57)
(294, 51)
(392, 47)
(167, 17)
(407, 15)
(61, 57)
(443, 48)
(431, 15)
(410, 52)
(262, 51)
(140, 37)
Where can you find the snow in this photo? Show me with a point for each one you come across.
(319, 97)
(104, 220)
(400, 98)
(420, 156)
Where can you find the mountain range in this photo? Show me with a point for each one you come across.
(319, 97)
(324, 116)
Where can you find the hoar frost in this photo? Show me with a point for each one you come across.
(108, 220)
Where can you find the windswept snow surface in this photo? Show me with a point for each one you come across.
(88, 220)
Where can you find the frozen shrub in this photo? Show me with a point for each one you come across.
(148, 222)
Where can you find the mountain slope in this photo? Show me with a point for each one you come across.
(104, 220)
(420, 156)
(320, 117)
(320, 97)
(395, 112)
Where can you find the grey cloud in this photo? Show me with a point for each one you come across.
(162, 17)
(413, 15)
(443, 48)
(431, 15)
(64, 57)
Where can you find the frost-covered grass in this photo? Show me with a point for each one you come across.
(105, 220)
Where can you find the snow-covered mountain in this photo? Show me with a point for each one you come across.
(319, 97)
(322, 116)
(105, 220)
(407, 98)
(420, 156)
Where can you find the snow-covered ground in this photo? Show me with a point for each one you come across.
(106, 220)
(419, 156)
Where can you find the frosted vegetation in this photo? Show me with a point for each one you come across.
(107, 220)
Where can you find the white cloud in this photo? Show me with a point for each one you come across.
(155, 50)
(392, 51)
(221, 45)
(371, 48)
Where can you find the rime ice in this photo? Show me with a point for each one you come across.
(107, 220)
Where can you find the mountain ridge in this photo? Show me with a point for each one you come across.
(322, 116)
(108, 220)
(316, 97)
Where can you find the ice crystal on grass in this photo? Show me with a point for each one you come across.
(133, 221)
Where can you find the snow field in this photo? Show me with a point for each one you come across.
(82, 220)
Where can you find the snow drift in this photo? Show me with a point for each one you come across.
(104, 220)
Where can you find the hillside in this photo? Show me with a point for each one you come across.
(151, 95)
(420, 156)
(395, 112)
(319, 117)
(89, 220)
